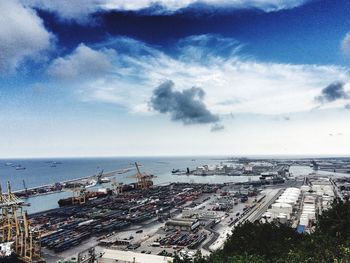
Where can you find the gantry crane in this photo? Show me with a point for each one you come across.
(99, 176)
(144, 181)
(15, 228)
(79, 195)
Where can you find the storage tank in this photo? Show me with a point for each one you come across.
(282, 218)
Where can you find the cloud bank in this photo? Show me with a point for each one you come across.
(79, 10)
(22, 35)
(83, 62)
(233, 82)
(186, 106)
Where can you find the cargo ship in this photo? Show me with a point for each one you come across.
(88, 196)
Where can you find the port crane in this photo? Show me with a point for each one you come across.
(25, 188)
(99, 176)
(15, 228)
(144, 181)
(79, 195)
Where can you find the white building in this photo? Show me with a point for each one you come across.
(112, 255)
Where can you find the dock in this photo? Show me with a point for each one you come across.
(60, 186)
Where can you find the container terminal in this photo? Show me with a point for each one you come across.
(143, 222)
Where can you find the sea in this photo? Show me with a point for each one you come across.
(39, 172)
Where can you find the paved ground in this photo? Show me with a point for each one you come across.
(260, 209)
(52, 257)
(110, 256)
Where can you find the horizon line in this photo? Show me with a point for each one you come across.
(258, 156)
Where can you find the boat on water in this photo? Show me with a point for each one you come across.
(88, 196)
(105, 180)
(123, 171)
(20, 167)
(91, 183)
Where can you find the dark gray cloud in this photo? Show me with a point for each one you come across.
(332, 92)
(347, 106)
(217, 127)
(186, 106)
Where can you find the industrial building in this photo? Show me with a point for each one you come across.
(113, 255)
(284, 206)
(300, 207)
(184, 224)
(318, 195)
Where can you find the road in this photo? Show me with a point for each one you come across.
(214, 236)
(260, 209)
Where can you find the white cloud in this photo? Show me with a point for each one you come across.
(173, 5)
(79, 10)
(252, 86)
(22, 35)
(83, 62)
(345, 44)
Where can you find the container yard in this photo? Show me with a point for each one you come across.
(201, 223)
(69, 226)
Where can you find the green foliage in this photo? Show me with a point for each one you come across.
(265, 243)
(335, 222)
(269, 241)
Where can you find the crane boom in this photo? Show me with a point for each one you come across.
(137, 167)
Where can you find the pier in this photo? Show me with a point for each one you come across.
(60, 186)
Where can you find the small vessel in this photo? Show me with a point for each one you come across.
(91, 183)
(105, 180)
(20, 167)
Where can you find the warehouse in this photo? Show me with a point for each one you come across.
(112, 255)
(282, 209)
(184, 224)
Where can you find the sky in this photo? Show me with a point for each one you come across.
(174, 77)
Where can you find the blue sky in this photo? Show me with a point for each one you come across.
(115, 78)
